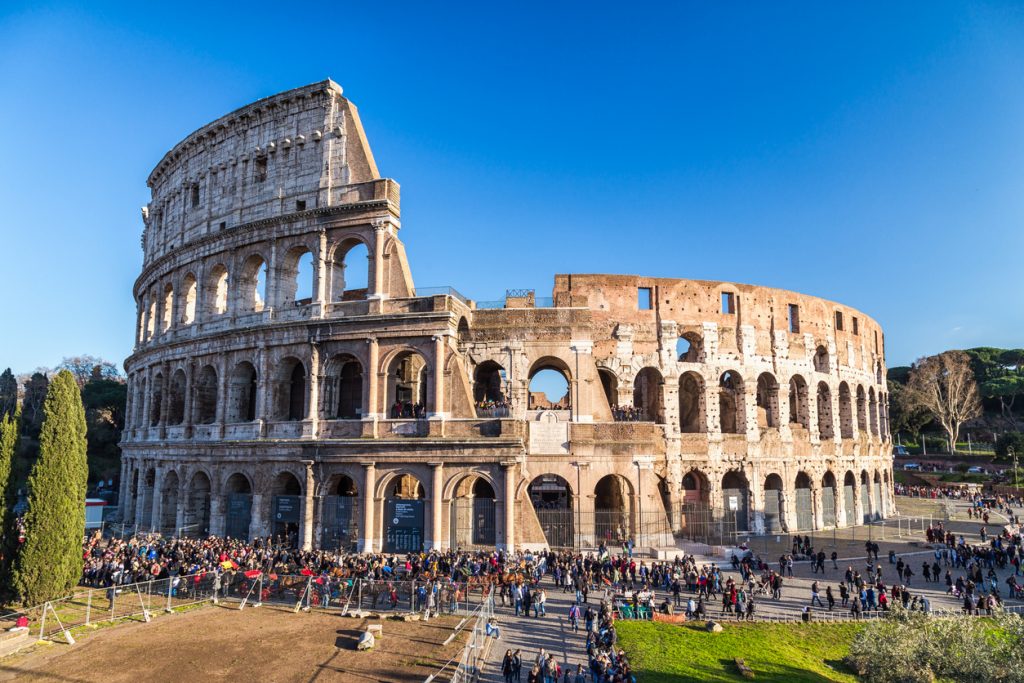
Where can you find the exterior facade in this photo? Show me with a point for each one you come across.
(289, 378)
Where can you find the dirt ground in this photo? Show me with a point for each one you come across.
(220, 644)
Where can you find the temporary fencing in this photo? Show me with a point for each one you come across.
(58, 619)
(477, 647)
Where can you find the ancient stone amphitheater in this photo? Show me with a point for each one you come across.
(289, 378)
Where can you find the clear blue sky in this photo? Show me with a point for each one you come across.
(869, 154)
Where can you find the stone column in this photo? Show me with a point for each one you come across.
(366, 529)
(379, 235)
(258, 525)
(155, 522)
(263, 397)
(858, 504)
(752, 429)
(307, 508)
(190, 375)
(509, 473)
(313, 405)
(122, 488)
(370, 408)
(439, 358)
(320, 283)
(817, 507)
(437, 506)
(222, 397)
(217, 514)
(841, 512)
(140, 496)
(179, 513)
(165, 399)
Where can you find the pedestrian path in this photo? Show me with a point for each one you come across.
(530, 634)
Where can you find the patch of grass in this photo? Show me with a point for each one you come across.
(666, 653)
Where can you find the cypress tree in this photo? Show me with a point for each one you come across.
(9, 432)
(8, 394)
(49, 563)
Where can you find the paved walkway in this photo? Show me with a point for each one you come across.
(529, 634)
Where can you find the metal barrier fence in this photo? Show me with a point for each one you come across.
(565, 528)
(57, 619)
(474, 654)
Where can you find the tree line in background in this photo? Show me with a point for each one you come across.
(948, 392)
(41, 553)
(59, 432)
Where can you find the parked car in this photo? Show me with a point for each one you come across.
(976, 470)
(912, 466)
(900, 450)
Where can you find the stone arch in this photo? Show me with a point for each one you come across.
(167, 305)
(156, 400)
(488, 384)
(197, 507)
(829, 493)
(290, 390)
(238, 491)
(692, 410)
(473, 513)
(349, 267)
(804, 503)
(408, 384)
(151, 316)
(190, 290)
(845, 411)
(216, 290)
(340, 513)
(343, 388)
(176, 398)
(243, 387)
(731, 406)
(286, 507)
(821, 360)
(862, 410)
(553, 503)
(799, 404)
(148, 484)
(403, 496)
(205, 401)
(610, 386)
(139, 405)
(296, 276)
(736, 500)
(613, 510)
(825, 428)
(542, 378)
(774, 504)
(767, 401)
(649, 395)
(168, 522)
(865, 496)
(695, 522)
(252, 285)
(850, 496)
(689, 348)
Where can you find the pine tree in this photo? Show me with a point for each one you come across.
(8, 394)
(49, 562)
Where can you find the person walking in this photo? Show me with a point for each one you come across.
(517, 664)
(574, 617)
(508, 669)
(814, 594)
(829, 598)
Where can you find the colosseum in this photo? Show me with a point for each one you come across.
(289, 379)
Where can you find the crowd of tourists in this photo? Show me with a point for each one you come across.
(501, 408)
(629, 414)
(408, 411)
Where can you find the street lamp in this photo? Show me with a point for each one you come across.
(1013, 454)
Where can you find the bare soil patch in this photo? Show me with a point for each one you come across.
(256, 644)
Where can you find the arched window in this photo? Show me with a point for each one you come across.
(344, 388)
(549, 385)
(156, 401)
(217, 292)
(845, 411)
(350, 268)
(873, 411)
(296, 277)
(825, 429)
(648, 395)
(189, 288)
(151, 318)
(291, 394)
(242, 389)
(407, 380)
(862, 410)
(252, 285)
(689, 348)
(730, 403)
(610, 386)
(168, 308)
(799, 407)
(691, 403)
(489, 390)
(767, 401)
(821, 360)
(205, 410)
(176, 408)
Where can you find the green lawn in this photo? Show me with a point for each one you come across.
(664, 653)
